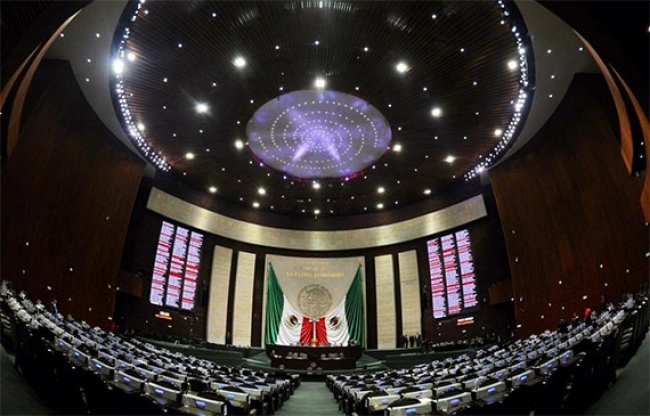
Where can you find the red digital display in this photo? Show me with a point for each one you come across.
(176, 267)
(451, 269)
(437, 283)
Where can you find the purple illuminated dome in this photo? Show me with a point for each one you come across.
(315, 134)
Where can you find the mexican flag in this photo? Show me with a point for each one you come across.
(286, 325)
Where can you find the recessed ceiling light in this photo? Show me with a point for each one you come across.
(450, 159)
(434, 16)
(366, 49)
(140, 126)
(381, 190)
(427, 191)
(436, 112)
(581, 49)
(380, 206)
(316, 43)
(397, 147)
(317, 211)
(401, 67)
(277, 47)
(239, 62)
(256, 204)
(239, 144)
(214, 15)
(165, 79)
(118, 66)
(498, 132)
(189, 155)
(201, 108)
(549, 51)
(316, 185)
(319, 83)
(180, 45)
(261, 191)
(130, 56)
(97, 35)
(512, 64)
(212, 190)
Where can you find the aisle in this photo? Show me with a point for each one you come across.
(313, 399)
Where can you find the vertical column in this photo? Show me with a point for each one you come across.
(385, 287)
(218, 303)
(409, 281)
(243, 306)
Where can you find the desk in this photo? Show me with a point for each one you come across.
(314, 360)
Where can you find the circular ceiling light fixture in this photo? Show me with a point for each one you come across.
(314, 134)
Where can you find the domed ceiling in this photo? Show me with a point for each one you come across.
(321, 107)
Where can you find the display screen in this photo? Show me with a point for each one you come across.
(176, 267)
(451, 269)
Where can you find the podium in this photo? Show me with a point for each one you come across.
(315, 355)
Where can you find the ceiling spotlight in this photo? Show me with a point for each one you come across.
(118, 66)
(140, 126)
(436, 112)
(130, 56)
(512, 64)
(256, 204)
(381, 190)
(212, 190)
(450, 159)
(319, 83)
(201, 108)
(189, 155)
(397, 147)
(380, 206)
(261, 191)
(316, 185)
(239, 144)
(239, 62)
(427, 191)
(498, 132)
(317, 211)
(401, 67)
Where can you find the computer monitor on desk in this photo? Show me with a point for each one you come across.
(419, 394)
(489, 390)
(79, 358)
(566, 357)
(208, 402)
(162, 391)
(407, 407)
(235, 396)
(378, 400)
(175, 379)
(546, 368)
(519, 377)
(453, 401)
(102, 367)
(128, 381)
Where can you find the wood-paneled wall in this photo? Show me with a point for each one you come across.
(571, 216)
(68, 191)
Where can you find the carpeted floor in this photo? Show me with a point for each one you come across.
(630, 395)
(16, 396)
(311, 399)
